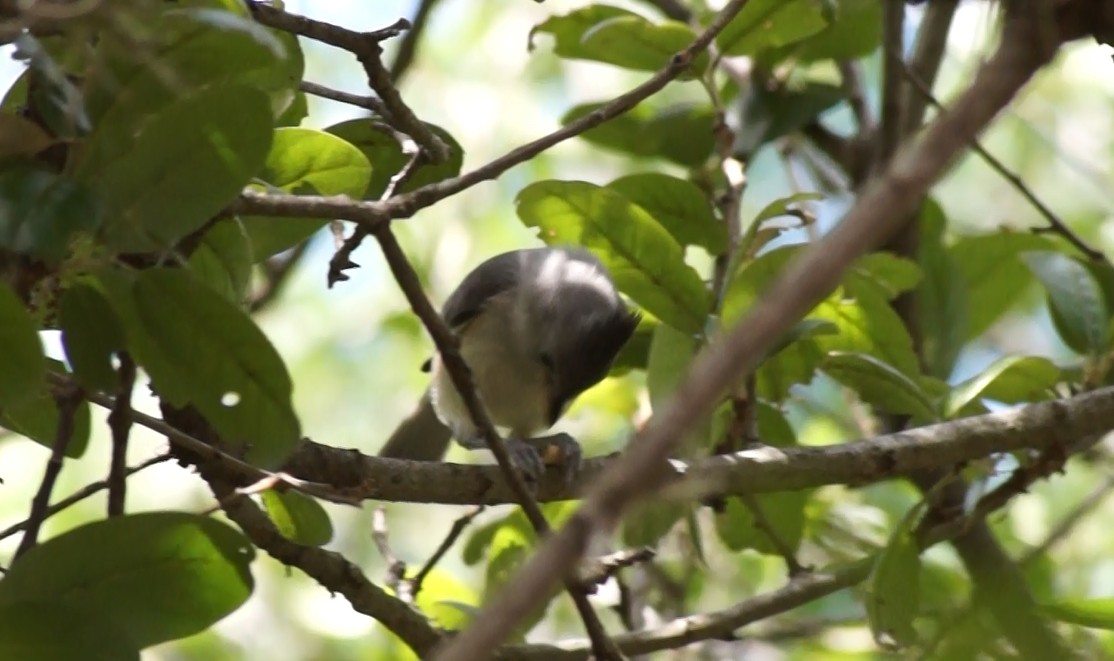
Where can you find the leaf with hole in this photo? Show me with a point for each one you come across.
(155, 576)
(646, 263)
(200, 348)
(91, 332)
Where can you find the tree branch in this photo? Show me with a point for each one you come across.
(876, 215)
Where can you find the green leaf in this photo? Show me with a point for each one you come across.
(200, 348)
(387, 158)
(20, 136)
(157, 576)
(23, 365)
(223, 259)
(91, 332)
(681, 133)
(1093, 613)
(1010, 379)
(1075, 298)
(50, 631)
(995, 277)
(449, 603)
(632, 42)
(882, 274)
(310, 161)
(855, 32)
(941, 296)
(671, 351)
(868, 325)
(784, 512)
(645, 526)
(36, 418)
(43, 212)
(879, 384)
(765, 24)
(298, 517)
(568, 30)
(185, 51)
(646, 263)
(893, 592)
(678, 205)
(188, 162)
(770, 113)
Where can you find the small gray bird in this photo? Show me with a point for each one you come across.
(537, 327)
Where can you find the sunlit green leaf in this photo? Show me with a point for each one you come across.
(156, 576)
(387, 158)
(995, 277)
(36, 417)
(893, 593)
(1010, 379)
(679, 205)
(879, 384)
(645, 261)
(1093, 613)
(223, 259)
(681, 133)
(298, 517)
(633, 42)
(764, 24)
(310, 161)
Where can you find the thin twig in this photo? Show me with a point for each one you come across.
(1082, 509)
(597, 571)
(1055, 223)
(928, 52)
(120, 423)
(457, 529)
(372, 215)
(396, 569)
(365, 46)
(225, 460)
(372, 103)
(448, 348)
(83, 493)
(68, 399)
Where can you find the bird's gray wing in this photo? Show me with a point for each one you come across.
(489, 279)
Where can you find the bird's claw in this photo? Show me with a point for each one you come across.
(532, 455)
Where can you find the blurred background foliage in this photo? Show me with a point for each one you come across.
(354, 351)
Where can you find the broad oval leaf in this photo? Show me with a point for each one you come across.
(766, 24)
(387, 158)
(188, 162)
(671, 351)
(156, 576)
(678, 205)
(448, 602)
(222, 259)
(43, 212)
(209, 352)
(868, 325)
(879, 384)
(1075, 299)
(681, 133)
(633, 42)
(738, 528)
(310, 161)
(646, 263)
(882, 274)
(91, 332)
(994, 276)
(23, 366)
(855, 32)
(298, 517)
(50, 631)
(1010, 379)
(568, 30)
(185, 51)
